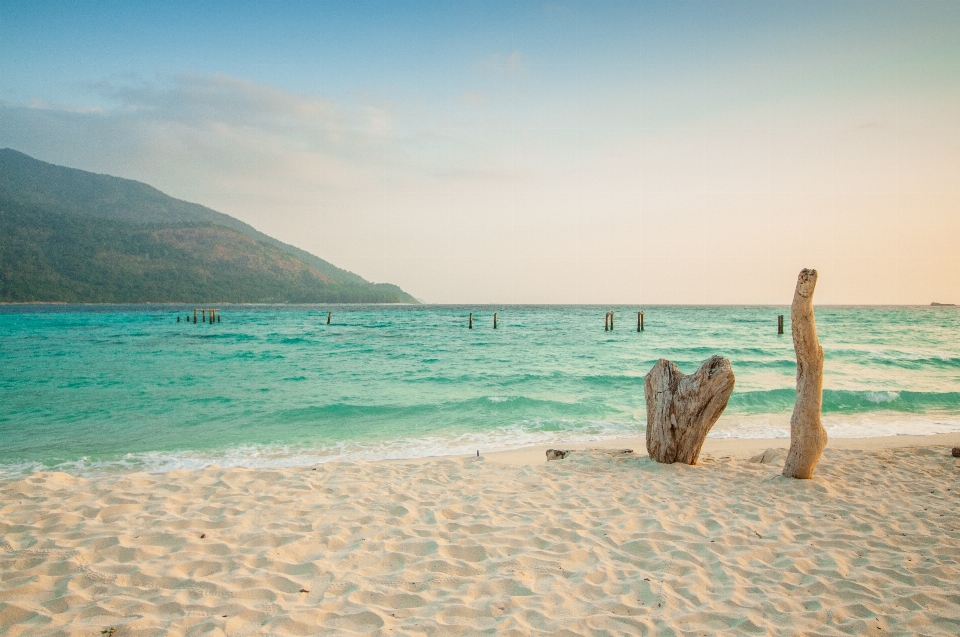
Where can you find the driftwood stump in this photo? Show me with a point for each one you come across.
(807, 435)
(682, 409)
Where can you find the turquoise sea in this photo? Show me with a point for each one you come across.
(86, 389)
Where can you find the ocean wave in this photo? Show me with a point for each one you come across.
(881, 396)
(523, 434)
(846, 401)
(901, 358)
(876, 425)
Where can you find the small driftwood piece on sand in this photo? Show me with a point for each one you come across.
(560, 454)
(682, 409)
(807, 435)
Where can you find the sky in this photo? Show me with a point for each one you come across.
(528, 152)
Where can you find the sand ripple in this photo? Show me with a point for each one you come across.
(589, 545)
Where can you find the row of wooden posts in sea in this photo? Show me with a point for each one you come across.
(608, 323)
(214, 316)
(211, 313)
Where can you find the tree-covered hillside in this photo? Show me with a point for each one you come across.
(73, 236)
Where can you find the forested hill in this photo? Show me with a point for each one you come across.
(73, 236)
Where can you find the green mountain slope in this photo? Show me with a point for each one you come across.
(74, 236)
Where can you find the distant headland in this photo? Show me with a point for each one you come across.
(72, 236)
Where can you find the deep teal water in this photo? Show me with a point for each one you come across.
(90, 388)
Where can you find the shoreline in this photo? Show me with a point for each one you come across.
(723, 447)
(528, 455)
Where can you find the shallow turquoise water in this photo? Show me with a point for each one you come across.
(89, 388)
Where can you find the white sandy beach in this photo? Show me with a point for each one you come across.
(504, 544)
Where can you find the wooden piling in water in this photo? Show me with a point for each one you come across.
(206, 313)
(471, 320)
(494, 320)
(611, 321)
(639, 321)
(329, 316)
(780, 324)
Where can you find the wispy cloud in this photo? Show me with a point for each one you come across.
(473, 98)
(512, 64)
(231, 126)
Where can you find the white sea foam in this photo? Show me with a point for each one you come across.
(874, 425)
(524, 435)
(882, 396)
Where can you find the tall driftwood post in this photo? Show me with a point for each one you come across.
(807, 435)
(329, 316)
(606, 322)
(639, 321)
(682, 409)
(471, 321)
(494, 320)
(611, 321)
(780, 324)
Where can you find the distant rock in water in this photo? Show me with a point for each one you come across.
(72, 236)
(935, 304)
